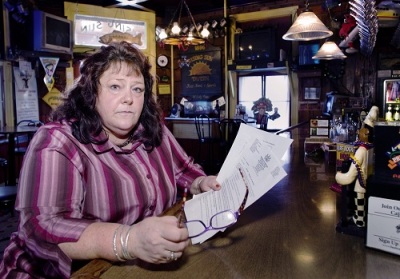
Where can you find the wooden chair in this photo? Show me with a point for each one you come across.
(4, 167)
(22, 141)
(207, 142)
(228, 129)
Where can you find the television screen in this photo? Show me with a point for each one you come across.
(256, 45)
(58, 32)
(306, 52)
(51, 33)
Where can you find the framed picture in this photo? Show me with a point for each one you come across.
(319, 128)
(391, 89)
(312, 93)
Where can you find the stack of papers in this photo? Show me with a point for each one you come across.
(258, 154)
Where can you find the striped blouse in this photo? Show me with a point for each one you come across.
(64, 186)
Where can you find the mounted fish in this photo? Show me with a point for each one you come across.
(118, 36)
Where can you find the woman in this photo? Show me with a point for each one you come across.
(95, 180)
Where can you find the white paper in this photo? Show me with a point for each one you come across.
(255, 155)
(245, 135)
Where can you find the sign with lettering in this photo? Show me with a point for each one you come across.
(53, 98)
(93, 30)
(201, 73)
(383, 228)
(26, 93)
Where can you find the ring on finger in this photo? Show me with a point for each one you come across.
(172, 256)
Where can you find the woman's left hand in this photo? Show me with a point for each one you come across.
(204, 184)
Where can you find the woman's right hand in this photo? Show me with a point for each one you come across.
(155, 238)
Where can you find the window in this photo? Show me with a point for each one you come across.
(273, 87)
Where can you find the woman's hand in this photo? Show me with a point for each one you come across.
(204, 184)
(155, 238)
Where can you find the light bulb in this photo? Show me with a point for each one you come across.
(205, 33)
(175, 28)
(163, 35)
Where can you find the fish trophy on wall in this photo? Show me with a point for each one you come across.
(118, 36)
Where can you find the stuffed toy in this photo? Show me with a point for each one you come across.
(349, 23)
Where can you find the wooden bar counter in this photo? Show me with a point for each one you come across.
(288, 233)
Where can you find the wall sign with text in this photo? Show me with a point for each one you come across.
(201, 73)
(89, 29)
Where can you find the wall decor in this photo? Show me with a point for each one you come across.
(201, 76)
(95, 31)
(392, 90)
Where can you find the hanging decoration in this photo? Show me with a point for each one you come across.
(53, 98)
(365, 13)
(49, 65)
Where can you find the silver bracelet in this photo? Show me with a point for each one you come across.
(125, 248)
(115, 244)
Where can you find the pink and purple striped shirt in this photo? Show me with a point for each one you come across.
(65, 185)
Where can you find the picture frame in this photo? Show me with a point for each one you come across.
(391, 89)
(312, 93)
(319, 128)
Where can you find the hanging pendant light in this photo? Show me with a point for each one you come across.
(175, 35)
(307, 27)
(329, 51)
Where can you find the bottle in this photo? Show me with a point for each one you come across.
(351, 131)
(332, 131)
(397, 114)
(217, 109)
(388, 116)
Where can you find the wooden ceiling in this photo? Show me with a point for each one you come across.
(160, 7)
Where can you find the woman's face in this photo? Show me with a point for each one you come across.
(120, 99)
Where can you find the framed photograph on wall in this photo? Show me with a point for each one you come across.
(312, 93)
(391, 89)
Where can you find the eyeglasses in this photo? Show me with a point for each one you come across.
(218, 221)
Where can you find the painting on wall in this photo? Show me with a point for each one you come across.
(201, 73)
(391, 88)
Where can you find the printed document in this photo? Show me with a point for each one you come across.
(258, 155)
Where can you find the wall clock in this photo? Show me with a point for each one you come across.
(162, 60)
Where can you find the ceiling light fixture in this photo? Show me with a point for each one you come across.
(174, 35)
(307, 27)
(329, 51)
(130, 3)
